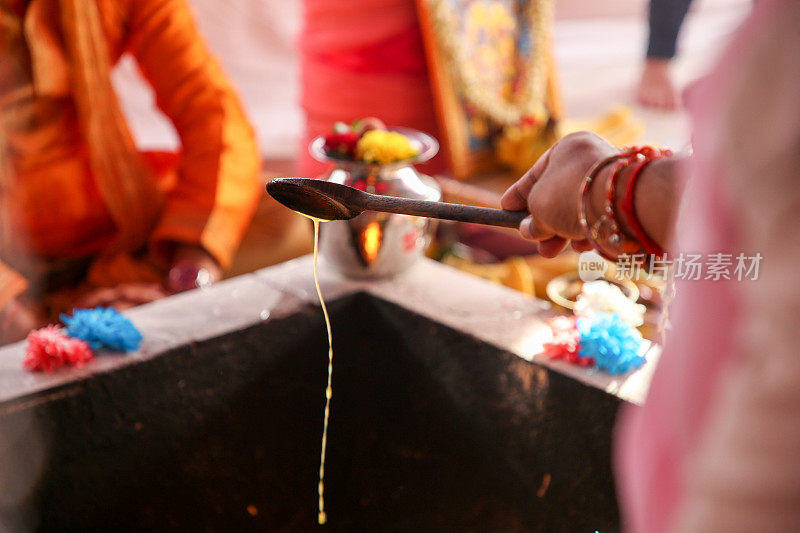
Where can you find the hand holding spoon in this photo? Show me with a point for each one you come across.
(332, 201)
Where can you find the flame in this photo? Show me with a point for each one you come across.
(370, 240)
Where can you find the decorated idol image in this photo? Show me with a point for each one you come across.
(399, 265)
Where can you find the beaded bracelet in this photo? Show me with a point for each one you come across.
(592, 231)
(607, 228)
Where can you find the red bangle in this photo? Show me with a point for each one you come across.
(607, 230)
(628, 207)
(618, 236)
(605, 234)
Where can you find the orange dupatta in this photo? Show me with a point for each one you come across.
(122, 176)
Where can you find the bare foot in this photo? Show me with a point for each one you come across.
(656, 88)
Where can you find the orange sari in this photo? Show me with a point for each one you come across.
(71, 182)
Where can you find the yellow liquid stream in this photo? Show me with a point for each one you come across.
(322, 517)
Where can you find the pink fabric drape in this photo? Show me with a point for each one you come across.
(708, 370)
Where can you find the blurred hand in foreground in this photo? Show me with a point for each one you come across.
(17, 319)
(191, 267)
(124, 296)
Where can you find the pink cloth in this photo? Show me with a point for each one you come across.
(656, 442)
(363, 59)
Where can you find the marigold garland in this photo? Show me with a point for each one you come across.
(533, 86)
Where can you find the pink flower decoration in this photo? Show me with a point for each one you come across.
(50, 348)
(410, 241)
(566, 343)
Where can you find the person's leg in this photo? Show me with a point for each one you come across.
(655, 87)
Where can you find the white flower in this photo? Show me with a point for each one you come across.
(603, 297)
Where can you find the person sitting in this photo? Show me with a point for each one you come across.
(85, 218)
(361, 59)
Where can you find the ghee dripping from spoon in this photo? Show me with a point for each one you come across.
(322, 517)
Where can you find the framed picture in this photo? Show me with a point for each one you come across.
(493, 77)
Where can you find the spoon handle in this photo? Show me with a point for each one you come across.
(459, 212)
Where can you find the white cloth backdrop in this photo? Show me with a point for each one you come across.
(256, 42)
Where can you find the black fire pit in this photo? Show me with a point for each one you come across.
(431, 430)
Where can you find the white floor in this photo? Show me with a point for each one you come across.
(599, 58)
(599, 47)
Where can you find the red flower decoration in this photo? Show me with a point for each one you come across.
(50, 348)
(566, 343)
(341, 144)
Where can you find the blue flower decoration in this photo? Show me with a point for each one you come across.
(103, 327)
(614, 344)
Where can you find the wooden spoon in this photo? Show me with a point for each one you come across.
(332, 201)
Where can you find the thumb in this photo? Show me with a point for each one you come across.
(530, 230)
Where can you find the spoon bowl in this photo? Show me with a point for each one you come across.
(314, 198)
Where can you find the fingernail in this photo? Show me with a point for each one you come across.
(525, 227)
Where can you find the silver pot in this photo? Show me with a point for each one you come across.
(378, 245)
